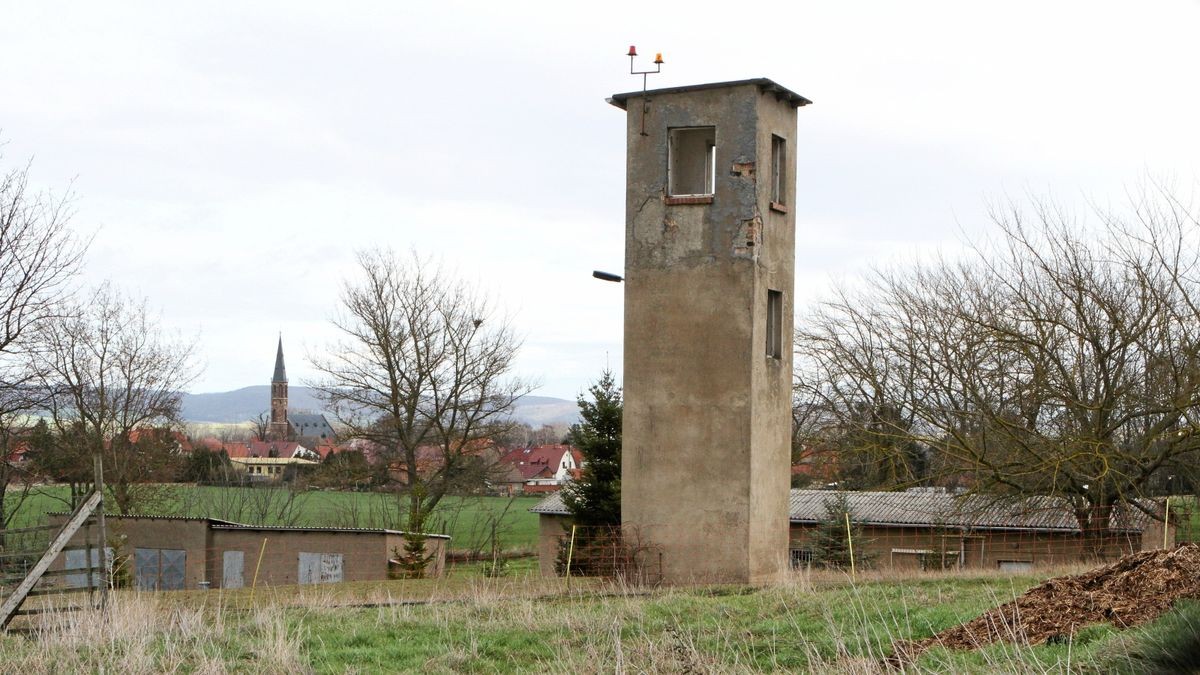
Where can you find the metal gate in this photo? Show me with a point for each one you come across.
(89, 575)
(159, 569)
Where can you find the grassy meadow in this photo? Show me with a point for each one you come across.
(524, 624)
(468, 520)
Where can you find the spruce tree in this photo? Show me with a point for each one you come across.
(594, 498)
(831, 543)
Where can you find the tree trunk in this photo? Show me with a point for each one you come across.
(1095, 521)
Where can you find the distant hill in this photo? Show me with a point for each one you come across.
(538, 410)
(246, 403)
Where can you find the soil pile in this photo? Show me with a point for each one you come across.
(1136, 589)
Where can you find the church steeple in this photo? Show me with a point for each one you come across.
(280, 429)
(280, 371)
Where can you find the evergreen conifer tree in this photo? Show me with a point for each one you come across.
(594, 498)
(831, 543)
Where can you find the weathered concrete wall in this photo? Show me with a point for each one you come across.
(550, 530)
(707, 411)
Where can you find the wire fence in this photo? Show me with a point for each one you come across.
(610, 552)
(940, 549)
(189, 553)
(74, 581)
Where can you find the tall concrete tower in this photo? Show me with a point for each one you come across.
(709, 272)
(279, 398)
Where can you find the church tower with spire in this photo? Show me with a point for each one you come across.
(279, 398)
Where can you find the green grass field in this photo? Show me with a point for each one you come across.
(468, 520)
(534, 625)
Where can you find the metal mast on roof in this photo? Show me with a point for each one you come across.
(658, 61)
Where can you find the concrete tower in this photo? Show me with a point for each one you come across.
(279, 398)
(709, 271)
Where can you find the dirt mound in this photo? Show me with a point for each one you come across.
(1137, 588)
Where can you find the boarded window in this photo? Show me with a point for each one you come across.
(924, 559)
(908, 558)
(801, 558)
(778, 170)
(159, 569)
(1015, 565)
(320, 568)
(232, 569)
(775, 324)
(692, 161)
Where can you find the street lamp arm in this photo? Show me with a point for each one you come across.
(607, 276)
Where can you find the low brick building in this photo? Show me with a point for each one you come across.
(933, 529)
(173, 553)
(929, 528)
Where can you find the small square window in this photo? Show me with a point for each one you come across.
(778, 171)
(691, 162)
(774, 324)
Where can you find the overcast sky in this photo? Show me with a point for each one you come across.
(231, 157)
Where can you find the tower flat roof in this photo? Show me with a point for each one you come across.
(766, 85)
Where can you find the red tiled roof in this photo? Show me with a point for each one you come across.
(144, 433)
(210, 443)
(326, 449)
(244, 449)
(531, 462)
(17, 454)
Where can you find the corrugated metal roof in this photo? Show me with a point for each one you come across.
(218, 524)
(552, 506)
(147, 516)
(303, 528)
(930, 508)
(935, 508)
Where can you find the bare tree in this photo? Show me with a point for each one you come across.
(107, 370)
(39, 258)
(1060, 359)
(421, 372)
(261, 426)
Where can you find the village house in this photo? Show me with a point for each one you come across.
(929, 528)
(176, 441)
(175, 553)
(269, 468)
(539, 469)
(266, 460)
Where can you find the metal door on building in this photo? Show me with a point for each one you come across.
(320, 568)
(231, 569)
(159, 569)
